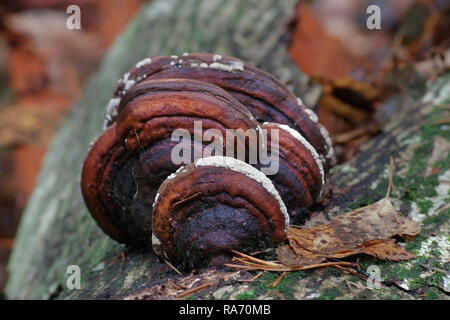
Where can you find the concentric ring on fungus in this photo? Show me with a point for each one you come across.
(213, 206)
(263, 95)
(129, 161)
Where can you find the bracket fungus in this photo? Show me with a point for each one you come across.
(211, 205)
(300, 176)
(131, 158)
(262, 94)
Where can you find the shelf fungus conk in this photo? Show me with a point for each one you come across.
(128, 162)
(262, 94)
(195, 211)
(215, 205)
(300, 176)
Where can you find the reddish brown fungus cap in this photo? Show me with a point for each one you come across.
(218, 204)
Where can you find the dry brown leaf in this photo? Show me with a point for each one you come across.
(387, 250)
(316, 219)
(366, 230)
(376, 221)
(289, 258)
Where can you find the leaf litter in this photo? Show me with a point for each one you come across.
(318, 243)
(368, 230)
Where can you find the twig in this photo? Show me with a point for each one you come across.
(138, 141)
(193, 290)
(358, 285)
(259, 252)
(252, 279)
(253, 259)
(391, 175)
(274, 283)
(187, 199)
(266, 295)
(295, 226)
(359, 274)
(353, 134)
(352, 272)
(113, 259)
(267, 268)
(135, 182)
(257, 265)
(172, 267)
(348, 285)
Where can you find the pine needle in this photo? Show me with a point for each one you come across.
(268, 268)
(193, 290)
(172, 267)
(277, 281)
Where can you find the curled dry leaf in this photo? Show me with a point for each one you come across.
(353, 229)
(367, 230)
(386, 250)
(290, 258)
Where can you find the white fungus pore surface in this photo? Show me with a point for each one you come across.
(251, 172)
(143, 62)
(111, 111)
(156, 199)
(326, 135)
(231, 66)
(155, 240)
(312, 115)
(127, 83)
(156, 243)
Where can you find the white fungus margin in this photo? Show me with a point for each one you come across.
(297, 135)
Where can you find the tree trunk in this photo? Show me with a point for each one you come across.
(57, 231)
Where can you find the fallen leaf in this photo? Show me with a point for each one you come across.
(365, 230)
(316, 219)
(387, 250)
(289, 258)
(369, 230)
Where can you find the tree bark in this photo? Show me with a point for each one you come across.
(57, 231)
